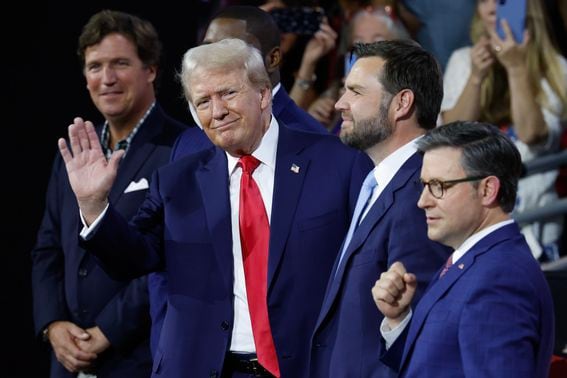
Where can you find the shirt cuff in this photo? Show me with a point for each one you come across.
(87, 231)
(390, 335)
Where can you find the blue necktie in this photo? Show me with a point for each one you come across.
(365, 193)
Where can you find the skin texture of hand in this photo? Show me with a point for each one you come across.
(393, 293)
(97, 343)
(482, 57)
(64, 338)
(91, 176)
(510, 54)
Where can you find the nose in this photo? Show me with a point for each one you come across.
(340, 105)
(219, 107)
(425, 199)
(108, 75)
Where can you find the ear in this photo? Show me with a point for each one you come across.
(273, 59)
(403, 104)
(265, 98)
(488, 190)
(152, 73)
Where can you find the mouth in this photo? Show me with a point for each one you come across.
(223, 125)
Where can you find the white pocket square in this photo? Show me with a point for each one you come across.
(139, 185)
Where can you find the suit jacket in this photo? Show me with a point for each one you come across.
(185, 223)
(67, 282)
(346, 341)
(194, 140)
(285, 110)
(491, 315)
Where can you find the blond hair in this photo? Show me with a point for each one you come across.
(542, 63)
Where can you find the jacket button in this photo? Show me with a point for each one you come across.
(83, 272)
(225, 325)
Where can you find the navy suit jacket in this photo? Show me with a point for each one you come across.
(285, 110)
(69, 285)
(346, 341)
(194, 140)
(185, 225)
(491, 315)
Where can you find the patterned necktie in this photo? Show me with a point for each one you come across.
(446, 266)
(363, 197)
(255, 240)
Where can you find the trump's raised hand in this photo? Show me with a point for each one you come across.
(91, 175)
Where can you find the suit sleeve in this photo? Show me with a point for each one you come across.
(130, 250)
(498, 328)
(48, 266)
(125, 319)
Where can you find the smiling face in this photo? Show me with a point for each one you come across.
(234, 114)
(365, 106)
(458, 215)
(120, 85)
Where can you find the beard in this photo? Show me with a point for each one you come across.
(370, 131)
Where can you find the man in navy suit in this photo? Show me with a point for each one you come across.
(392, 97)
(256, 27)
(489, 311)
(94, 323)
(189, 223)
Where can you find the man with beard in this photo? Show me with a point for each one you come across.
(393, 94)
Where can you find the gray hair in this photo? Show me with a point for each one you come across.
(226, 55)
(486, 151)
(395, 27)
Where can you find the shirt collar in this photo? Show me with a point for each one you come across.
(475, 238)
(266, 151)
(275, 89)
(387, 168)
(123, 144)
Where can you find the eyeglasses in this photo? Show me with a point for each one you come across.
(437, 188)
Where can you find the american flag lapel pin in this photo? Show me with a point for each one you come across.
(294, 168)
(461, 266)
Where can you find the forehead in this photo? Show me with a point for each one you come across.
(223, 28)
(365, 71)
(442, 163)
(113, 45)
(206, 80)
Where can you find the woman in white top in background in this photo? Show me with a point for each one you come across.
(522, 88)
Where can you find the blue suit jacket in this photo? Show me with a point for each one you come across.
(185, 223)
(491, 315)
(346, 341)
(285, 110)
(194, 140)
(69, 285)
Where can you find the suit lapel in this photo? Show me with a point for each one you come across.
(376, 213)
(287, 190)
(212, 177)
(438, 287)
(138, 153)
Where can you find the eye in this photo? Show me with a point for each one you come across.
(202, 104)
(93, 67)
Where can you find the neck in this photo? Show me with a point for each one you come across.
(401, 136)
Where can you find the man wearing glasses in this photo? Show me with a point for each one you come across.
(489, 313)
(392, 97)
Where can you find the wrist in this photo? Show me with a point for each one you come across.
(305, 84)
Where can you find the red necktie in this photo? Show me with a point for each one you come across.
(446, 266)
(255, 240)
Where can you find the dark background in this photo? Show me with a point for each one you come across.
(43, 91)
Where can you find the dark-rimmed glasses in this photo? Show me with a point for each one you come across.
(437, 188)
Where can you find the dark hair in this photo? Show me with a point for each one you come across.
(408, 66)
(259, 24)
(141, 32)
(486, 152)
